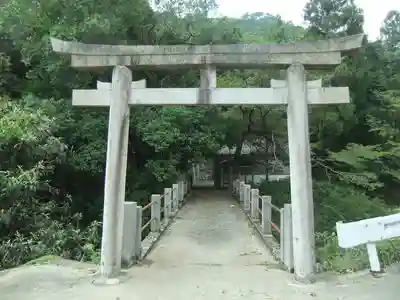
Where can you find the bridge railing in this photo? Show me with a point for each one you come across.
(142, 228)
(260, 210)
(369, 232)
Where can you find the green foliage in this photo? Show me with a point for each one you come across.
(332, 258)
(333, 202)
(329, 18)
(35, 219)
(338, 202)
(391, 30)
(53, 155)
(278, 190)
(55, 238)
(332, 205)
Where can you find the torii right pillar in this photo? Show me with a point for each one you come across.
(298, 93)
(300, 174)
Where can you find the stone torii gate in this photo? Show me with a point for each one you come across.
(295, 91)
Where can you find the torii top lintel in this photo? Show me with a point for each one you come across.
(312, 54)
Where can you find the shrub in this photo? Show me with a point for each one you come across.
(331, 257)
(65, 240)
(36, 219)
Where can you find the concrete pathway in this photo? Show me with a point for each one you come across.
(210, 231)
(210, 252)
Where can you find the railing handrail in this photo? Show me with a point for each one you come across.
(165, 194)
(177, 193)
(273, 225)
(277, 229)
(146, 224)
(250, 198)
(163, 209)
(148, 205)
(274, 207)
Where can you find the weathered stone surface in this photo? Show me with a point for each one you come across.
(309, 53)
(115, 179)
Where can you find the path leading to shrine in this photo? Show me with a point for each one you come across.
(209, 252)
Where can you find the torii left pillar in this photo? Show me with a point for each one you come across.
(117, 145)
(118, 94)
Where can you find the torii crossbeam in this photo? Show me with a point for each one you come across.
(312, 54)
(218, 96)
(294, 91)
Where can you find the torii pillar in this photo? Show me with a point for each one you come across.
(118, 95)
(296, 93)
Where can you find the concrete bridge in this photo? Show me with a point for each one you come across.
(199, 244)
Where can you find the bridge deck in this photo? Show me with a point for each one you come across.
(210, 231)
(209, 252)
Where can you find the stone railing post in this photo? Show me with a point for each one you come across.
(185, 187)
(138, 236)
(129, 233)
(230, 178)
(287, 236)
(254, 204)
(235, 187)
(180, 191)
(156, 213)
(175, 199)
(266, 214)
(236, 190)
(194, 173)
(241, 191)
(198, 172)
(281, 237)
(246, 204)
(167, 204)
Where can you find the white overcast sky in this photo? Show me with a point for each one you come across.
(292, 10)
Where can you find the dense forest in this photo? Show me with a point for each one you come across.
(53, 155)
